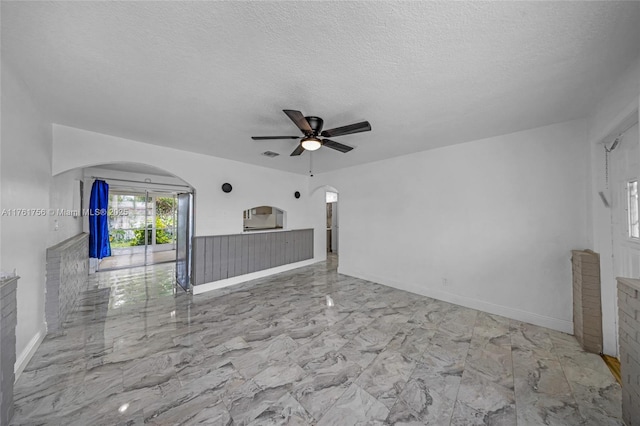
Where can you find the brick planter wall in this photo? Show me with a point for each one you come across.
(587, 308)
(67, 272)
(629, 339)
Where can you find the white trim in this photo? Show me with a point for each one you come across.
(564, 326)
(28, 352)
(202, 288)
(265, 230)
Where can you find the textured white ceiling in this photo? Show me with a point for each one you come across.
(205, 76)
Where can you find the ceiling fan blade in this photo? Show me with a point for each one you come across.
(264, 138)
(336, 145)
(363, 126)
(299, 150)
(299, 120)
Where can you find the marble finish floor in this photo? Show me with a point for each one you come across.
(305, 347)
(122, 261)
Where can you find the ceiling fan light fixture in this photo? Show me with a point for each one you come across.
(311, 143)
(311, 128)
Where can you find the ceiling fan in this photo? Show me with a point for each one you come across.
(311, 128)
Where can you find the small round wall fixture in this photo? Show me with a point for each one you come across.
(296, 194)
(226, 187)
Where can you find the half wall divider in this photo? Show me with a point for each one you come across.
(219, 257)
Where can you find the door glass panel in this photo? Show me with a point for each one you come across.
(183, 235)
(161, 228)
(127, 216)
(632, 200)
(141, 229)
(165, 222)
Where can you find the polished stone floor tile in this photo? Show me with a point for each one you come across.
(304, 347)
(355, 407)
(387, 376)
(327, 379)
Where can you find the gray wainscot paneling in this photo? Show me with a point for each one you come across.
(67, 272)
(218, 257)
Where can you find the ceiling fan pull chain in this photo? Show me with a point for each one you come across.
(607, 151)
(606, 167)
(311, 164)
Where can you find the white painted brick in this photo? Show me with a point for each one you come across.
(587, 310)
(67, 270)
(627, 290)
(629, 338)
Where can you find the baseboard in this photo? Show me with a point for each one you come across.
(23, 359)
(468, 302)
(202, 288)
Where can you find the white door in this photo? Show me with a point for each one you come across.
(624, 176)
(334, 228)
(624, 170)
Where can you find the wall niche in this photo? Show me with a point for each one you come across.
(262, 218)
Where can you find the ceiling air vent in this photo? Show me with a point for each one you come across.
(270, 154)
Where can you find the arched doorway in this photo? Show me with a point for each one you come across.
(333, 224)
(149, 217)
(327, 196)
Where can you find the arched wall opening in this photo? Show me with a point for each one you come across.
(144, 212)
(261, 218)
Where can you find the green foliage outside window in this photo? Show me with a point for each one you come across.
(162, 236)
(127, 230)
(165, 206)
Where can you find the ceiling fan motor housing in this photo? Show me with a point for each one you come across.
(316, 124)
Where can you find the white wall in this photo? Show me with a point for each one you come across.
(613, 113)
(496, 218)
(26, 183)
(216, 212)
(64, 195)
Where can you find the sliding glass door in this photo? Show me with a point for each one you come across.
(160, 231)
(183, 244)
(142, 228)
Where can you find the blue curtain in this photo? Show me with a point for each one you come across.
(99, 246)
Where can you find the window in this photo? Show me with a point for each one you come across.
(632, 209)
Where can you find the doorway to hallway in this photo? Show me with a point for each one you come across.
(332, 222)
